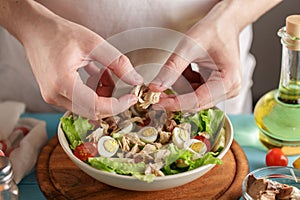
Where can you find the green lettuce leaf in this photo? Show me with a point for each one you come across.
(208, 158)
(75, 130)
(148, 178)
(186, 156)
(135, 169)
(175, 154)
(216, 119)
(203, 121)
(116, 166)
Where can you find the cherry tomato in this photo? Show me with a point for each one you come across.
(275, 157)
(205, 140)
(85, 150)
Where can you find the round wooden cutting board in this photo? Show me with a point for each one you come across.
(59, 178)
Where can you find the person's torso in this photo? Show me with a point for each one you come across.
(109, 17)
(147, 31)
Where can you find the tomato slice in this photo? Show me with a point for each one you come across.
(275, 157)
(85, 151)
(205, 140)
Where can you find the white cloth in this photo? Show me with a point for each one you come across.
(115, 20)
(9, 115)
(24, 150)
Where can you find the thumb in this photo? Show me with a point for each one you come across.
(169, 73)
(118, 63)
(185, 53)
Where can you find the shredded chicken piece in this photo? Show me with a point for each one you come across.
(95, 135)
(145, 154)
(129, 139)
(125, 144)
(135, 149)
(154, 169)
(164, 137)
(149, 149)
(133, 138)
(137, 119)
(145, 96)
(120, 154)
(112, 123)
(157, 118)
(105, 127)
(170, 125)
(149, 98)
(157, 145)
(142, 157)
(161, 155)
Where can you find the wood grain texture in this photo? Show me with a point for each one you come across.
(59, 179)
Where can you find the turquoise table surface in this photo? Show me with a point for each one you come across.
(245, 133)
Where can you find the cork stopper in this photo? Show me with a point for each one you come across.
(293, 25)
(291, 34)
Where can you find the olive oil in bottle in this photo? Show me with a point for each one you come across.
(277, 113)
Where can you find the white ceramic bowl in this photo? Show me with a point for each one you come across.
(131, 183)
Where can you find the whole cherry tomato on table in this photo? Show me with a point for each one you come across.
(275, 157)
(85, 150)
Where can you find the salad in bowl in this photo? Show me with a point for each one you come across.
(146, 149)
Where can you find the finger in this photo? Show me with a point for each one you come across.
(100, 80)
(188, 82)
(120, 65)
(91, 68)
(105, 107)
(95, 74)
(207, 95)
(169, 73)
(174, 103)
(185, 53)
(82, 100)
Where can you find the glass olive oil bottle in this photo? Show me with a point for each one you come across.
(277, 113)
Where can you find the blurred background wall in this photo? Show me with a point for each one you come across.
(266, 47)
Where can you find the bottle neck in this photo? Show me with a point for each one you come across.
(289, 85)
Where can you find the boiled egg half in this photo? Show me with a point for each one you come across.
(107, 146)
(148, 134)
(196, 146)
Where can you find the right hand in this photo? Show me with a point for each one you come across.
(57, 48)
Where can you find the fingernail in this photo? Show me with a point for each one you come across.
(157, 85)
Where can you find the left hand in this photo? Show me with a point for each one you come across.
(213, 44)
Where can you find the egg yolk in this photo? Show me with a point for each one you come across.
(148, 132)
(197, 146)
(110, 145)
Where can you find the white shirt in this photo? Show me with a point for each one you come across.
(115, 20)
